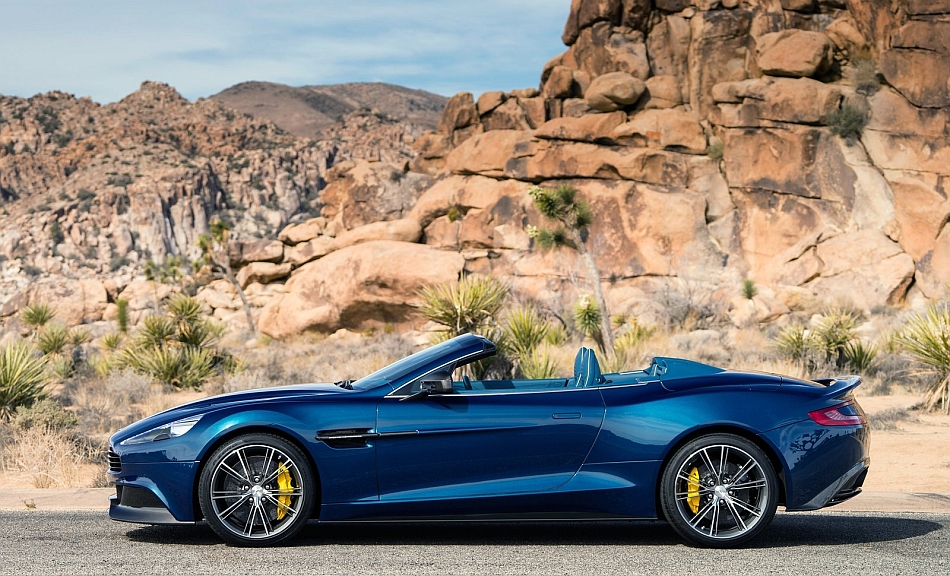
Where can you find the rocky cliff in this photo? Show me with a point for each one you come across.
(799, 143)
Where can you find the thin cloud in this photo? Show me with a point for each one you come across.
(106, 48)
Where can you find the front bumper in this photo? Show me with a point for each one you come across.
(153, 493)
(139, 505)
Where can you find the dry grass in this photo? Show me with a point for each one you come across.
(46, 458)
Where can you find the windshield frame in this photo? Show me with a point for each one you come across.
(425, 361)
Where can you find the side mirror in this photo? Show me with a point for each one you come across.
(439, 382)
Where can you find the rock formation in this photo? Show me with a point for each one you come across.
(708, 137)
(800, 143)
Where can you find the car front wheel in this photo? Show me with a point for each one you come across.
(719, 491)
(257, 490)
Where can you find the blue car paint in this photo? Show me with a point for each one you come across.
(542, 452)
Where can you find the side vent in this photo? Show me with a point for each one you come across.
(352, 438)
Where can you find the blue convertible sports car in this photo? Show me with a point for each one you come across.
(713, 452)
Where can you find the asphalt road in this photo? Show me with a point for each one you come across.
(79, 543)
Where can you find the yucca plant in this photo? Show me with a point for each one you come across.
(556, 335)
(52, 339)
(749, 289)
(111, 342)
(467, 306)
(861, 357)
(834, 331)
(23, 377)
(199, 333)
(79, 336)
(572, 217)
(540, 363)
(37, 315)
(155, 331)
(184, 309)
(525, 329)
(588, 318)
(794, 343)
(926, 337)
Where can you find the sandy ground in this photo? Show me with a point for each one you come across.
(910, 468)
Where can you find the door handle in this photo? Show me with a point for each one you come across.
(566, 415)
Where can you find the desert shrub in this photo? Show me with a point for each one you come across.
(540, 363)
(47, 457)
(178, 348)
(587, 316)
(56, 233)
(111, 342)
(79, 336)
(715, 151)
(556, 335)
(749, 289)
(860, 357)
(45, 413)
(52, 339)
(470, 305)
(926, 338)
(689, 305)
(847, 122)
(23, 377)
(865, 76)
(37, 315)
(525, 329)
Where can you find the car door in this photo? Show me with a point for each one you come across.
(469, 444)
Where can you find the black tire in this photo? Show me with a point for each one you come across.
(719, 491)
(257, 490)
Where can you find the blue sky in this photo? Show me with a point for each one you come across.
(106, 48)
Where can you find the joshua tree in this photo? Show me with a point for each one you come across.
(215, 249)
(572, 217)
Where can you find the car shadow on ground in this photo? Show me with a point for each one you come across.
(787, 530)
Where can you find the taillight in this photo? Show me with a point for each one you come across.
(845, 414)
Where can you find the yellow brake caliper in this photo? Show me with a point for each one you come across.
(285, 487)
(692, 490)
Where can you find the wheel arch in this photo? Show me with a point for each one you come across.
(254, 429)
(770, 452)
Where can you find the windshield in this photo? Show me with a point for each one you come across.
(416, 364)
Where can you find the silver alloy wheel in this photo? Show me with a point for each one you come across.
(721, 492)
(256, 491)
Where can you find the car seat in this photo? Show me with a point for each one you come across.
(586, 369)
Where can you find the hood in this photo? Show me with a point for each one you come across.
(204, 405)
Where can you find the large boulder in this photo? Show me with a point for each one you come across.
(559, 159)
(362, 192)
(403, 230)
(464, 193)
(486, 153)
(460, 112)
(246, 252)
(593, 128)
(73, 301)
(614, 91)
(719, 50)
(762, 102)
(262, 272)
(865, 267)
(602, 48)
(917, 62)
(304, 231)
(376, 282)
(671, 129)
(794, 53)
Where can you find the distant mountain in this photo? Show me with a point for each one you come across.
(308, 110)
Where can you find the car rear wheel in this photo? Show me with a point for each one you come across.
(257, 490)
(719, 491)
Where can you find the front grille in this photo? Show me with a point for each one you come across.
(115, 463)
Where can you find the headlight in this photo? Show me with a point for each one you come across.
(164, 432)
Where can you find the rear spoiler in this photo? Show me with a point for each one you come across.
(839, 385)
